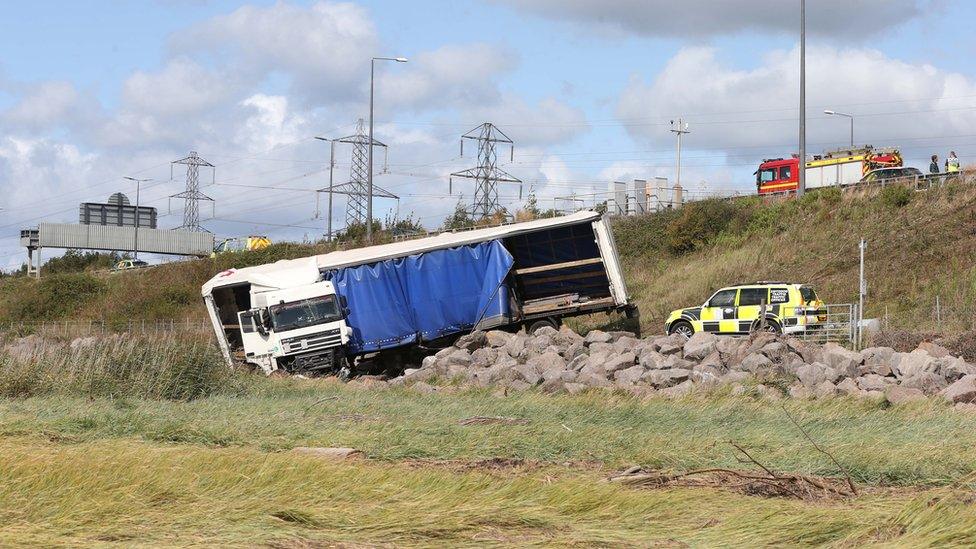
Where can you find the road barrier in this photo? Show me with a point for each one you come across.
(85, 328)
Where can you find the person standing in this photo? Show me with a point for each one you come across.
(952, 163)
(934, 166)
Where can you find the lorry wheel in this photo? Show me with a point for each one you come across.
(554, 324)
(682, 327)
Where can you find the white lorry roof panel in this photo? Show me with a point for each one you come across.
(381, 252)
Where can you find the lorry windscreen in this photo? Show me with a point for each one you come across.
(305, 313)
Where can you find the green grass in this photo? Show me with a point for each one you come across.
(925, 443)
(124, 366)
(919, 247)
(125, 493)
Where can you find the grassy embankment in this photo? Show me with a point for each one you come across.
(920, 245)
(155, 443)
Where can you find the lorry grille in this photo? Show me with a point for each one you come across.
(311, 342)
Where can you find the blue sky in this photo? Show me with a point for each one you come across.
(90, 92)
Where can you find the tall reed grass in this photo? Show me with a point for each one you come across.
(158, 368)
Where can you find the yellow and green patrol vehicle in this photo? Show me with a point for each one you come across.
(735, 310)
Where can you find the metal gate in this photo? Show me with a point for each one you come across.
(840, 327)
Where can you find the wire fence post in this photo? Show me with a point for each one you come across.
(762, 315)
(938, 313)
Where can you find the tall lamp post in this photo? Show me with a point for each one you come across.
(851, 116)
(801, 186)
(135, 244)
(369, 154)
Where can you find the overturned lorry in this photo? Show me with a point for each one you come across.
(319, 314)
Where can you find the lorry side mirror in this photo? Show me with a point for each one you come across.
(343, 302)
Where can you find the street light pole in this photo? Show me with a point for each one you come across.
(680, 129)
(135, 238)
(802, 182)
(369, 153)
(851, 116)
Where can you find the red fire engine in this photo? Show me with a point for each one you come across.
(833, 168)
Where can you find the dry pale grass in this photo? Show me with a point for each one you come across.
(112, 493)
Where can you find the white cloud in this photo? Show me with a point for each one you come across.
(271, 123)
(44, 105)
(322, 49)
(455, 75)
(546, 122)
(734, 109)
(851, 20)
(181, 87)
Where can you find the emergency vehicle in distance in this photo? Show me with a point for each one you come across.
(831, 169)
(736, 310)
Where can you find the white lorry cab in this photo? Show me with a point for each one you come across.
(316, 314)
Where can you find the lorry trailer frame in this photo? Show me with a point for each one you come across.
(320, 313)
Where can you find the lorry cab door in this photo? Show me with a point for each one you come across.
(719, 311)
(255, 344)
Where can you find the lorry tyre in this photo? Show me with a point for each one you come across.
(550, 322)
(682, 327)
(772, 327)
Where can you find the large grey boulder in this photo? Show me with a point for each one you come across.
(754, 362)
(735, 376)
(963, 390)
(550, 365)
(713, 360)
(841, 359)
(575, 388)
(871, 382)
(620, 362)
(905, 365)
(625, 344)
(665, 378)
(651, 359)
(539, 343)
(577, 363)
(497, 338)
(952, 368)
(825, 389)
(601, 348)
(700, 345)
(899, 394)
(674, 361)
(472, 341)
(515, 345)
(597, 336)
(848, 386)
(529, 373)
(573, 350)
(566, 337)
(877, 360)
(679, 390)
(484, 357)
(927, 382)
(671, 348)
(628, 376)
(593, 380)
(593, 369)
(811, 375)
(934, 350)
(460, 357)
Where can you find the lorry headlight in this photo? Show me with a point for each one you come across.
(799, 311)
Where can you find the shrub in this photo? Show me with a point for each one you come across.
(55, 296)
(699, 222)
(896, 196)
(153, 368)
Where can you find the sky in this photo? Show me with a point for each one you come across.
(95, 91)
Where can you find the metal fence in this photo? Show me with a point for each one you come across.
(85, 328)
(841, 326)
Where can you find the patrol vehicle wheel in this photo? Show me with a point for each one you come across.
(772, 327)
(683, 328)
